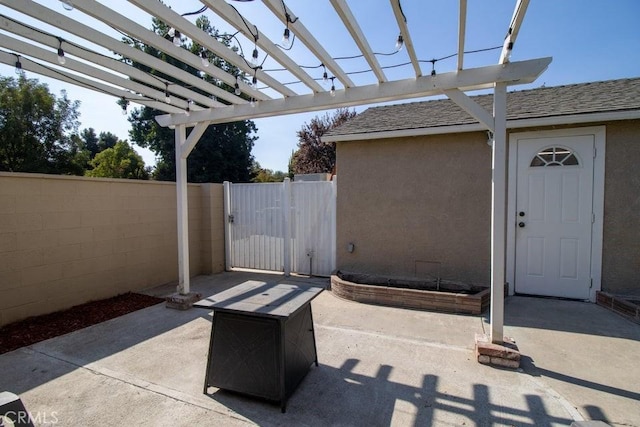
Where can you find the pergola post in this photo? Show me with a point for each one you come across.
(498, 211)
(183, 212)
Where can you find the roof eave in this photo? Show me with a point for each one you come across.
(476, 127)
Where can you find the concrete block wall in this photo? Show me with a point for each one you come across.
(68, 240)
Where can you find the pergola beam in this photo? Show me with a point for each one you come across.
(471, 79)
(137, 31)
(106, 62)
(82, 68)
(358, 36)
(196, 34)
(64, 23)
(226, 12)
(462, 27)
(64, 76)
(514, 28)
(472, 107)
(406, 36)
(305, 36)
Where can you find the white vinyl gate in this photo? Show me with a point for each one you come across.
(288, 226)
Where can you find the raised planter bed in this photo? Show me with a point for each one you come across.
(411, 293)
(628, 307)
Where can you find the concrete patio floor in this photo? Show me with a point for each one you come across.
(379, 366)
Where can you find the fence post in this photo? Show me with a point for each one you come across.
(286, 211)
(227, 225)
(334, 223)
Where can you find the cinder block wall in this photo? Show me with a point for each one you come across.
(68, 240)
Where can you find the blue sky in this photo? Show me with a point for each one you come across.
(588, 40)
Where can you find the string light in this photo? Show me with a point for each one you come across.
(188, 110)
(61, 59)
(205, 60)
(399, 42)
(124, 105)
(332, 92)
(254, 56)
(19, 69)
(286, 40)
(175, 34)
(66, 4)
(254, 79)
(167, 96)
(325, 76)
(237, 88)
(252, 103)
(507, 48)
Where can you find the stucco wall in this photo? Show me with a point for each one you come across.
(428, 199)
(416, 206)
(621, 240)
(69, 240)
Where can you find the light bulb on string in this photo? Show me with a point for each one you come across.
(66, 4)
(61, 59)
(286, 39)
(252, 103)
(507, 48)
(124, 105)
(205, 60)
(19, 70)
(254, 57)
(188, 110)
(399, 42)
(167, 96)
(332, 92)
(325, 76)
(237, 88)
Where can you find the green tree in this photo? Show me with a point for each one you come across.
(261, 174)
(36, 129)
(106, 140)
(90, 140)
(314, 155)
(223, 152)
(119, 161)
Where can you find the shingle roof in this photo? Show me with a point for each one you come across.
(582, 98)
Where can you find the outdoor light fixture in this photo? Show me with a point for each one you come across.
(252, 103)
(66, 4)
(332, 92)
(188, 110)
(507, 48)
(254, 56)
(254, 81)
(286, 41)
(237, 88)
(325, 76)
(177, 37)
(167, 96)
(205, 60)
(399, 42)
(19, 69)
(61, 59)
(124, 105)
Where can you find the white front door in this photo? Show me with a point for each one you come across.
(554, 215)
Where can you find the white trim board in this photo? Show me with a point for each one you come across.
(599, 133)
(477, 127)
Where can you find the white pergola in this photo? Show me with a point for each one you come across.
(36, 50)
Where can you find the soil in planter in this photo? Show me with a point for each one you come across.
(445, 286)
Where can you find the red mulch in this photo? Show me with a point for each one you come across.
(34, 329)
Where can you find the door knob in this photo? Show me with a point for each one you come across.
(521, 224)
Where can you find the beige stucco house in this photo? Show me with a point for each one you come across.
(414, 193)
